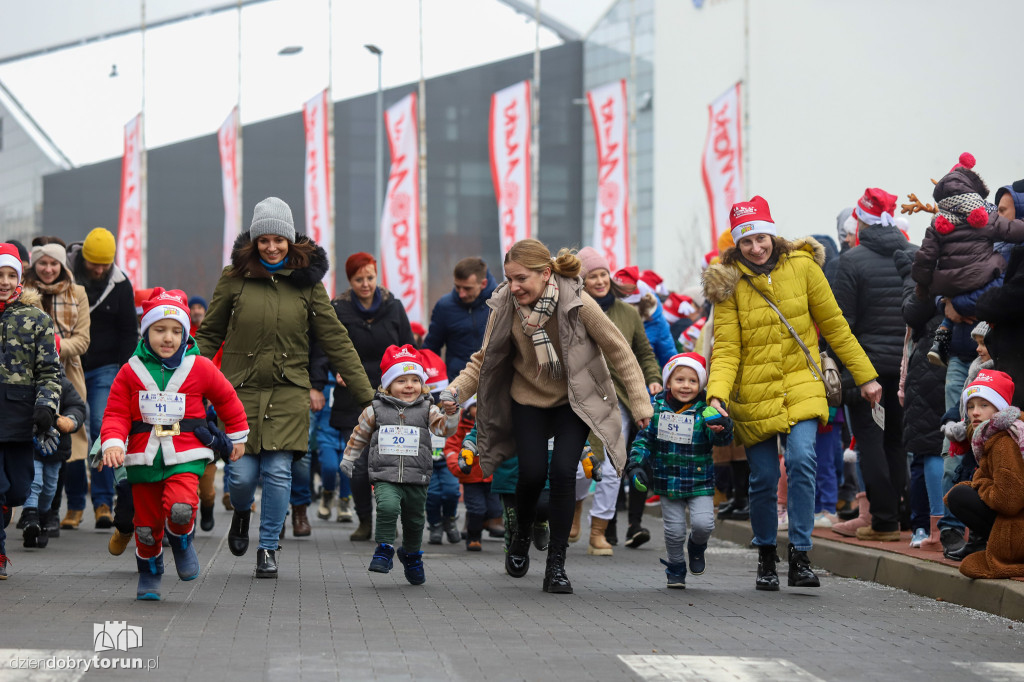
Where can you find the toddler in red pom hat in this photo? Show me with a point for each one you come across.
(966, 246)
(397, 427)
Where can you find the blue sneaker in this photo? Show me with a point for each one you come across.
(695, 553)
(413, 562)
(919, 536)
(186, 562)
(676, 574)
(382, 558)
(150, 572)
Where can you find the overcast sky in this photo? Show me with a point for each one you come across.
(192, 66)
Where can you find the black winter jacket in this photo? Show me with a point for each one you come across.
(924, 391)
(115, 329)
(1001, 308)
(459, 328)
(71, 405)
(869, 291)
(371, 337)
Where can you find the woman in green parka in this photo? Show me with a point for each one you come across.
(265, 307)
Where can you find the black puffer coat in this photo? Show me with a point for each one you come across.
(924, 391)
(869, 291)
(371, 337)
(1001, 308)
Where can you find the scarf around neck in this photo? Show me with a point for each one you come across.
(14, 297)
(60, 304)
(367, 313)
(533, 321)
(275, 267)
(606, 301)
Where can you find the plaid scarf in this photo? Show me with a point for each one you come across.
(533, 326)
(957, 207)
(14, 297)
(60, 304)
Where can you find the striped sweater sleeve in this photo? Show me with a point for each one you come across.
(618, 353)
(361, 434)
(441, 424)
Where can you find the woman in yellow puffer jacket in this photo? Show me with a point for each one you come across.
(761, 377)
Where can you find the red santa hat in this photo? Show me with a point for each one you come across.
(417, 329)
(678, 306)
(162, 305)
(749, 218)
(630, 279)
(708, 257)
(992, 385)
(876, 207)
(688, 339)
(399, 361)
(10, 258)
(694, 361)
(437, 373)
(655, 282)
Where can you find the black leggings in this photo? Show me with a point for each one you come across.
(967, 505)
(532, 427)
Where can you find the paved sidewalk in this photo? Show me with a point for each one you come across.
(327, 618)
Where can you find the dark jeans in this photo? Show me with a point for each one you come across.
(17, 469)
(442, 494)
(532, 427)
(124, 508)
(967, 505)
(883, 459)
(362, 496)
(475, 495)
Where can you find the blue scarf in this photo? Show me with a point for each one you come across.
(273, 268)
(172, 363)
(368, 313)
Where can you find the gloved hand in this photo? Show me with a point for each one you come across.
(42, 419)
(211, 414)
(448, 400)
(467, 456)
(347, 466)
(48, 443)
(637, 476)
(215, 439)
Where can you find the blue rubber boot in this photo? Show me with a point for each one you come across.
(676, 574)
(696, 554)
(150, 571)
(382, 558)
(186, 562)
(413, 562)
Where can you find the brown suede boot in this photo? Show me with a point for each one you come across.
(72, 519)
(863, 520)
(599, 545)
(363, 533)
(300, 524)
(574, 532)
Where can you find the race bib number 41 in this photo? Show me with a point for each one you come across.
(159, 407)
(675, 428)
(403, 441)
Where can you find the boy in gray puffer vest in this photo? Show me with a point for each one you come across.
(397, 427)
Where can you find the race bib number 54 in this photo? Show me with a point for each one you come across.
(675, 428)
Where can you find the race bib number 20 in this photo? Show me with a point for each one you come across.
(403, 441)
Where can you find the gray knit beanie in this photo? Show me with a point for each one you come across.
(981, 330)
(272, 216)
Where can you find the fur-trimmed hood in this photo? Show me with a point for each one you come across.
(720, 280)
(1005, 420)
(30, 296)
(301, 277)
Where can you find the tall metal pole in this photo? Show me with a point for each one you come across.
(634, 257)
(238, 140)
(422, 116)
(330, 143)
(535, 130)
(379, 165)
(143, 172)
(746, 99)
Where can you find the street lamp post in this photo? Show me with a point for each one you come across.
(379, 179)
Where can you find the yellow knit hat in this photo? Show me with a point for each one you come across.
(99, 246)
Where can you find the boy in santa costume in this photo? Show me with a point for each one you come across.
(397, 427)
(155, 424)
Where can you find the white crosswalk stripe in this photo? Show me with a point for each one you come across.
(665, 668)
(994, 671)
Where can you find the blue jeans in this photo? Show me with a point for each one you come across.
(76, 484)
(828, 448)
(956, 375)
(764, 486)
(442, 494)
(275, 466)
(44, 485)
(925, 489)
(301, 478)
(97, 390)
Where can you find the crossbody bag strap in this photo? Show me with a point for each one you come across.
(803, 346)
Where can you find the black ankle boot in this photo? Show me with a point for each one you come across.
(266, 563)
(517, 560)
(939, 353)
(975, 543)
(611, 533)
(32, 529)
(238, 534)
(555, 579)
(800, 573)
(767, 577)
(206, 517)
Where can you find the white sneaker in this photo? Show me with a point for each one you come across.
(919, 536)
(783, 519)
(821, 520)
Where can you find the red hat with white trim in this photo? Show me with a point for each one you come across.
(876, 207)
(628, 277)
(400, 361)
(162, 305)
(678, 306)
(437, 373)
(655, 282)
(10, 258)
(694, 361)
(992, 385)
(751, 217)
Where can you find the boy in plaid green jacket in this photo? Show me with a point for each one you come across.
(672, 458)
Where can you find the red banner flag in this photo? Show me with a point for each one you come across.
(230, 169)
(510, 162)
(318, 185)
(130, 223)
(400, 218)
(722, 166)
(611, 215)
